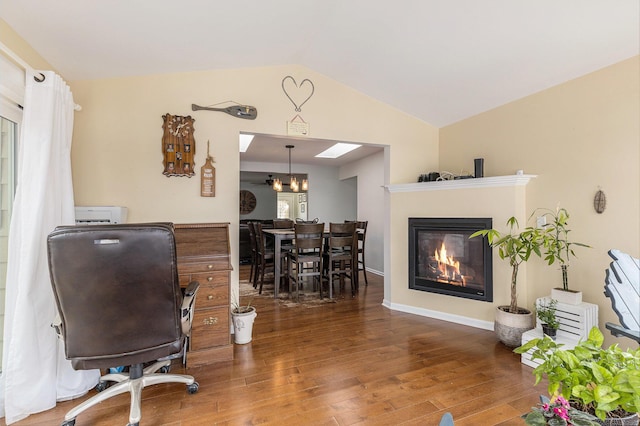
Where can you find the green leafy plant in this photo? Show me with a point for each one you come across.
(546, 313)
(601, 381)
(237, 308)
(557, 246)
(517, 247)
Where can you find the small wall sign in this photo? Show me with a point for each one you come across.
(297, 127)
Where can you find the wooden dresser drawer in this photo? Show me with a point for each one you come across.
(210, 296)
(210, 328)
(205, 278)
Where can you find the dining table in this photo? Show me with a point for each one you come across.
(280, 235)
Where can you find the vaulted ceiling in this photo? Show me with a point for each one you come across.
(438, 60)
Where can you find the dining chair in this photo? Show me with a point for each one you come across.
(283, 224)
(305, 260)
(340, 257)
(300, 220)
(286, 245)
(361, 233)
(265, 255)
(253, 273)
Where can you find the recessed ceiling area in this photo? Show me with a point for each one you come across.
(440, 61)
(272, 149)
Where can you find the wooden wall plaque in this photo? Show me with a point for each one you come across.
(178, 145)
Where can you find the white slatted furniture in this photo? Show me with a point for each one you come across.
(575, 323)
(622, 286)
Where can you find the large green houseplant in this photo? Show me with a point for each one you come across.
(557, 245)
(600, 381)
(516, 246)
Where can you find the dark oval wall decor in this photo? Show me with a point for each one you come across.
(599, 201)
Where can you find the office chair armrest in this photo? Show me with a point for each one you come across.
(57, 325)
(186, 310)
(191, 289)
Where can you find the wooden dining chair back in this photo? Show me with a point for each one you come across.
(305, 260)
(341, 256)
(283, 224)
(253, 274)
(286, 245)
(264, 253)
(361, 234)
(300, 220)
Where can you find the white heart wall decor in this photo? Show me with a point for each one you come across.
(298, 90)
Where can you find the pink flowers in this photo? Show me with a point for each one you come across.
(557, 411)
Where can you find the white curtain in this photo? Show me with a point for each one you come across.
(35, 372)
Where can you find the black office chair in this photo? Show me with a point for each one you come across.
(120, 304)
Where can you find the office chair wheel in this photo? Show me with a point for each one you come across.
(165, 369)
(192, 388)
(102, 385)
(71, 422)
(133, 424)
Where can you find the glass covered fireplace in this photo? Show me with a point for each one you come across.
(443, 259)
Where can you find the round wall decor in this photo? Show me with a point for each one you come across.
(247, 201)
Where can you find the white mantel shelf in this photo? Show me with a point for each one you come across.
(486, 182)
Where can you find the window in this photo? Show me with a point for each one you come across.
(11, 94)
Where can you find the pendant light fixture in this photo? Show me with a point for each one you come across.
(293, 182)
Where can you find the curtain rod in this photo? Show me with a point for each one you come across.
(18, 60)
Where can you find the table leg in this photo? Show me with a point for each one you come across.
(276, 264)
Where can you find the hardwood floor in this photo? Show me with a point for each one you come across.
(352, 362)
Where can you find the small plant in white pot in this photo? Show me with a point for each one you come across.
(517, 247)
(242, 317)
(558, 248)
(546, 313)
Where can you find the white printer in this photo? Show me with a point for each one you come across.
(100, 215)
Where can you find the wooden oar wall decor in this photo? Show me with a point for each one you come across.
(245, 112)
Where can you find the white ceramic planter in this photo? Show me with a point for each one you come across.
(509, 327)
(568, 297)
(243, 326)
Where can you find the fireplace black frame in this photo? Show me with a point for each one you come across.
(451, 225)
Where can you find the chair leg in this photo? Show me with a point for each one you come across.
(364, 271)
(133, 386)
(261, 277)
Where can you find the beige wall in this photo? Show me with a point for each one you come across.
(13, 41)
(578, 137)
(116, 153)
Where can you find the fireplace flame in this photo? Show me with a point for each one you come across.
(448, 266)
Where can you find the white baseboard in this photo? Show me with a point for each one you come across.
(457, 319)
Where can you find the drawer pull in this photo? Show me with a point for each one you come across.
(209, 279)
(210, 266)
(210, 297)
(210, 321)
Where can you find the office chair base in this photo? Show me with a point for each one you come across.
(134, 386)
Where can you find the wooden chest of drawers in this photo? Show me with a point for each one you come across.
(204, 255)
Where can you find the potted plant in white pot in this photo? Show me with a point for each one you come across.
(242, 317)
(558, 248)
(546, 313)
(604, 382)
(517, 247)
